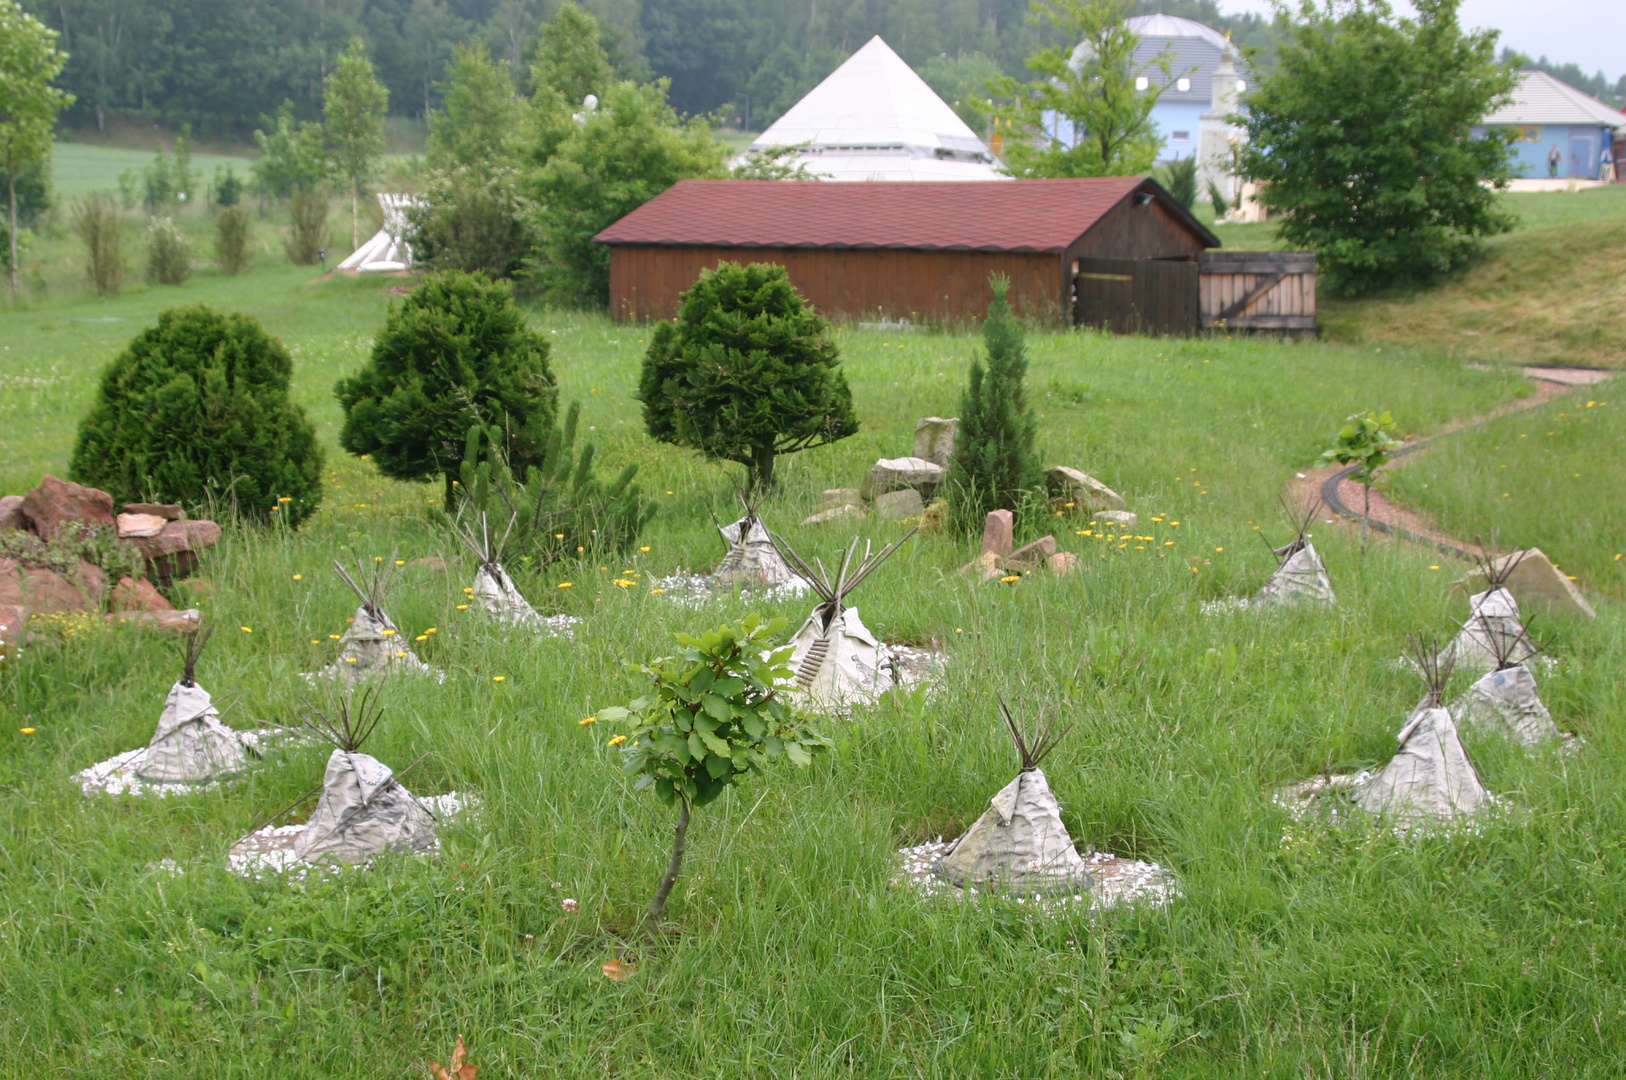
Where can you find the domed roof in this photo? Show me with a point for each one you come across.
(1173, 26)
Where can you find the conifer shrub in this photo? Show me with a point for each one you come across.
(195, 410)
(457, 352)
(746, 373)
(995, 464)
(169, 256)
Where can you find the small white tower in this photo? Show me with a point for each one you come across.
(1217, 139)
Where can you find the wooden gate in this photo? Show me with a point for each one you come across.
(1259, 290)
(1136, 296)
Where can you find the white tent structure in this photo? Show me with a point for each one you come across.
(1430, 777)
(493, 589)
(1506, 700)
(372, 645)
(1300, 576)
(191, 745)
(1494, 625)
(837, 661)
(751, 560)
(1019, 844)
(388, 249)
(363, 811)
(873, 118)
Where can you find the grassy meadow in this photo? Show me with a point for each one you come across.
(1333, 953)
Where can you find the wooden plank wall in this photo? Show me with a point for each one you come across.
(1284, 281)
(1137, 296)
(870, 284)
(1128, 231)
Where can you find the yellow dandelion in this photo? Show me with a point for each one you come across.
(299, 577)
(376, 558)
(462, 607)
(1434, 567)
(617, 740)
(389, 633)
(431, 630)
(580, 549)
(1617, 558)
(567, 584)
(350, 659)
(421, 637)
(671, 493)
(1071, 505)
(1174, 523)
(624, 583)
(316, 641)
(245, 629)
(558, 536)
(333, 637)
(656, 592)
(1008, 578)
(644, 549)
(400, 562)
(499, 678)
(400, 654)
(469, 592)
(1218, 549)
(589, 720)
(27, 730)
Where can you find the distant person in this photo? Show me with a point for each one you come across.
(1554, 160)
(1606, 166)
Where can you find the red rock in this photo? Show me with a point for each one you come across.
(138, 594)
(176, 537)
(11, 513)
(38, 589)
(167, 511)
(1062, 563)
(13, 620)
(55, 502)
(997, 533)
(1032, 555)
(92, 581)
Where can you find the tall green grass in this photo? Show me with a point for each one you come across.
(1342, 954)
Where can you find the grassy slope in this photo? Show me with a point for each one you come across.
(1341, 954)
(1550, 477)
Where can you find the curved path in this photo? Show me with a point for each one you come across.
(1338, 491)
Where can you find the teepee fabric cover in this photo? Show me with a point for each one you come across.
(1019, 843)
(363, 812)
(839, 667)
(497, 593)
(388, 249)
(191, 744)
(1508, 703)
(1301, 577)
(752, 560)
(1493, 612)
(1430, 776)
(373, 650)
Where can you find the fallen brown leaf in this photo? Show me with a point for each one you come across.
(617, 971)
(455, 1069)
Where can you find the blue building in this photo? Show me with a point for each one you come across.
(1555, 121)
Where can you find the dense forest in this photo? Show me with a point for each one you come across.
(223, 65)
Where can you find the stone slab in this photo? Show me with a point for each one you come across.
(167, 511)
(11, 513)
(934, 439)
(1538, 585)
(1086, 492)
(893, 474)
(1032, 556)
(998, 532)
(898, 505)
(57, 502)
(140, 525)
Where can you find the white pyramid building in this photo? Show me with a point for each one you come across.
(873, 118)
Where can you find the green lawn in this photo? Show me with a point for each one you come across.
(1347, 953)
(78, 169)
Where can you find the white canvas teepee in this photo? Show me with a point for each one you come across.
(1495, 618)
(372, 645)
(1019, 843)
(1300, 576)
(363, 811)
(873, 118)
(1508, 702)
(1430, 776)
(837, 661)
(493, 589)
(752, 560)
(388, 249)
(191, 745)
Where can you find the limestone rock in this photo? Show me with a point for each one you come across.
(984, 567)
(934, 439)
(893, 474)
(11, 513)
(56, 502)
(1032, 556)
(835, 497)
(1538, 585)
(142, 525)
(138, 594)
(998, 531)
(1124, 519)
(1062, 563)
(844, 512)
(167, 511)
(1088, 493)
(898, 505)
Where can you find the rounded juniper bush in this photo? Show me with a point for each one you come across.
(457, 352)
(195, 410)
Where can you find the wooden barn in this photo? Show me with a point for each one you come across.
(924, 251)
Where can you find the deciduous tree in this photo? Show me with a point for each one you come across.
(29, 61)
(353, 104)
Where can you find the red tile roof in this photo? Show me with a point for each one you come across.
(1018, 215)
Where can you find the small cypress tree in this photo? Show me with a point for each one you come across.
(747, 372)
(994, 460)
(196, 408)
(456, 353)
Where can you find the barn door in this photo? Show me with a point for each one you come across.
(1136, 296)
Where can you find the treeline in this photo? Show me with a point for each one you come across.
(222, 65)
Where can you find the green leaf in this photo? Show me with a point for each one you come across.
(718, 767)
(614, 712)
(715, 745)
(717, 707)
(697, 746)
(798, 754)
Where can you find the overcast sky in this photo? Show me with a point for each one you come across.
(1591, 33)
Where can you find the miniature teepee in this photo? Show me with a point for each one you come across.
(363, 810)
(191, 745)
(1493, 618)
(1019, 844)
(372, 645)
(1505, 699)
(751, 560)
(1299, 575)
(836, 659)
(1430, 776)
(493, 589)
